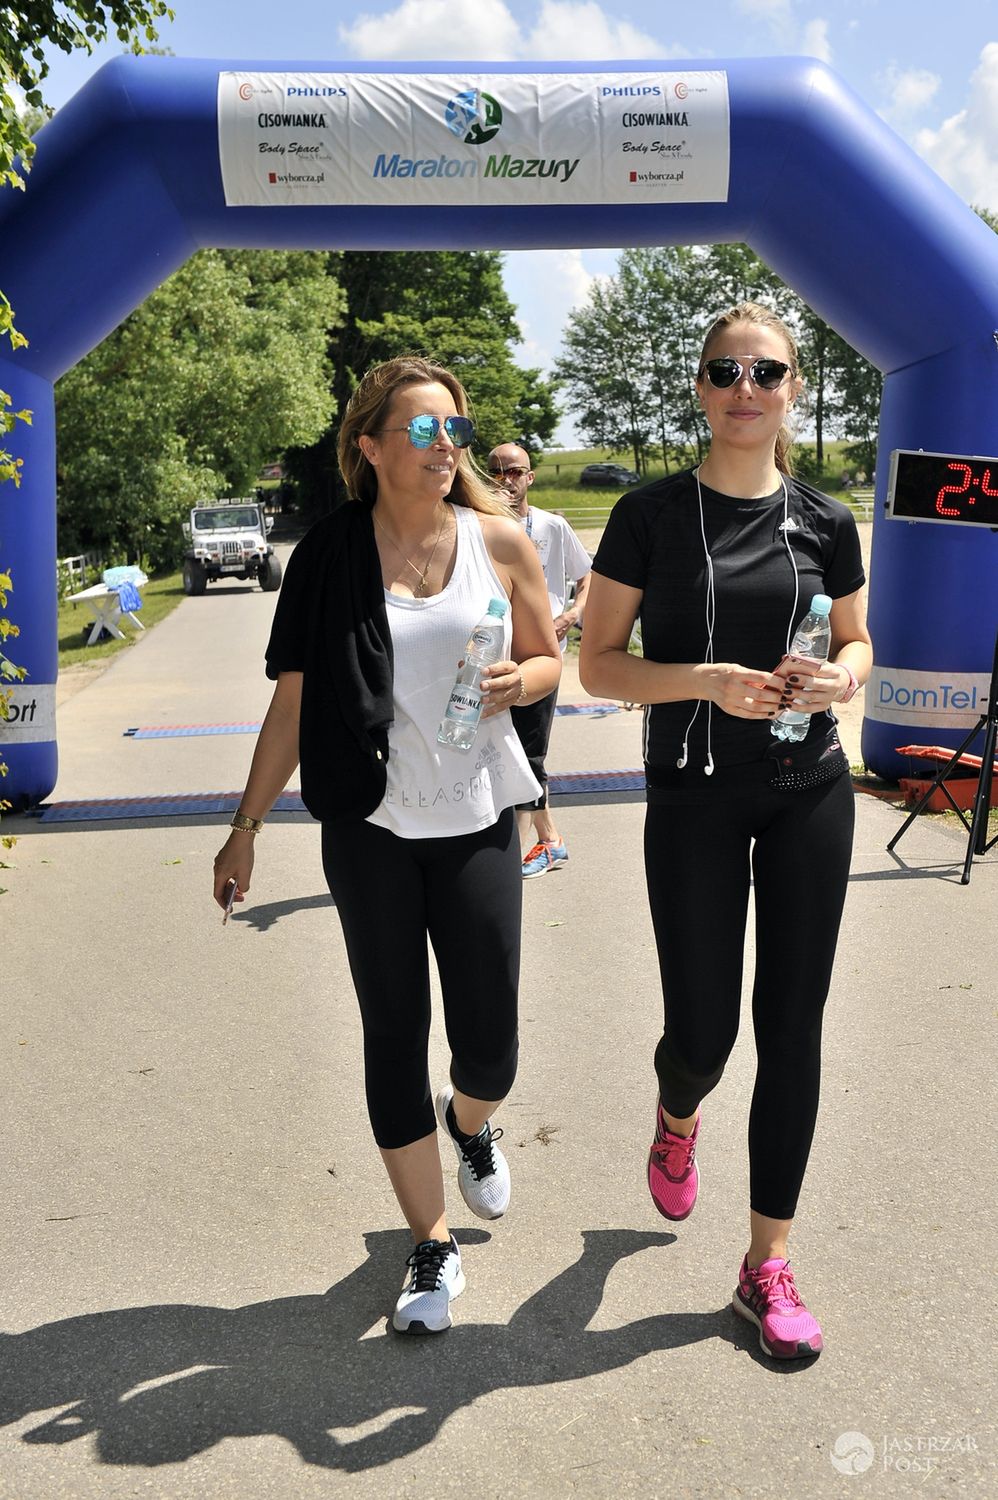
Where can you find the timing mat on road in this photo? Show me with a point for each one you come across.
(204, 804)
(595, 710)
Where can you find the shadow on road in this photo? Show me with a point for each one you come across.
(156, 1385)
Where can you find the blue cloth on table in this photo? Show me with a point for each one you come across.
(125, 582)
(129, 598)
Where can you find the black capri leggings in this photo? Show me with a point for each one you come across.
(465, 894)
(698, 858)
(533, 723)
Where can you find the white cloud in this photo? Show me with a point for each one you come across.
(776, 12)
(571, 30)
(814, 41)
(790, 35)
(434, 28)
(578, 29)
(964, 149)
(908, 91)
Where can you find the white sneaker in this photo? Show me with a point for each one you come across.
(483, 1174)
(424, 1303)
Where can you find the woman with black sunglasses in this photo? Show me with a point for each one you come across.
(720, 563)
(418, 839)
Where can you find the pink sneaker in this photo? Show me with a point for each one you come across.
(673, 1174)
(769, 1298)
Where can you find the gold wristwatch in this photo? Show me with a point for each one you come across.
(244, 824)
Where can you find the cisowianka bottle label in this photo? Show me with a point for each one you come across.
(464, 705)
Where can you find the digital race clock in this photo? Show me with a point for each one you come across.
(945, 487)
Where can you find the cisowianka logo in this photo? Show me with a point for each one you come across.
(474, 117)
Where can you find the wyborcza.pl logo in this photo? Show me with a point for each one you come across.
(474, 117)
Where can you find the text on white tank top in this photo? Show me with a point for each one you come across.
(434, 790)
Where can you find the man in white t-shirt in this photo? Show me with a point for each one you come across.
(565, 561)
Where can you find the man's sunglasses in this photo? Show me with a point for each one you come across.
(424, 430)
(767, 374)
(512, 472)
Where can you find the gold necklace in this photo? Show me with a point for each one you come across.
(420, 576)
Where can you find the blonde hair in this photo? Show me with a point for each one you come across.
(366, 413)
(760, 316)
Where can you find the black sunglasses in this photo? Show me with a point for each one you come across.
(512, 472)
(423, 430)
(767, 374)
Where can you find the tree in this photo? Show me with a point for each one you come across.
(69, 25)
(24, 31)
(218, 371)
(854, 405)
(633, 349)
(605, 372)
(450, 306)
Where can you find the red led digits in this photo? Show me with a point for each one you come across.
(953, 489)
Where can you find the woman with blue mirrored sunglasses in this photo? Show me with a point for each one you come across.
(419, 841)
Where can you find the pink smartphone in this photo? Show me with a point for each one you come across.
(788, 664)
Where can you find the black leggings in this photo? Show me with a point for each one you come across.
(698, 857)
(465, 894)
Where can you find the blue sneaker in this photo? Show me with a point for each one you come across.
(544, 856)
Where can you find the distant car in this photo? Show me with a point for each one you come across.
(608, 475)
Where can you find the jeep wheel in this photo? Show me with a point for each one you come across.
(194, 576)
(270, 574)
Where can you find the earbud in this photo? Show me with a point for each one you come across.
(708, 769)
(680, 763)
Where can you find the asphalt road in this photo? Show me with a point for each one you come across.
(200, 1247)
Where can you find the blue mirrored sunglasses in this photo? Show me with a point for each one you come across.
(424, 430)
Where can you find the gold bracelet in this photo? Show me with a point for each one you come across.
(523, 687)
(243, 824)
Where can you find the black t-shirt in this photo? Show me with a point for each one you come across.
(653, 542)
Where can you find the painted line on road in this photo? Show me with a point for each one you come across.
(201, 803)
(182, 731)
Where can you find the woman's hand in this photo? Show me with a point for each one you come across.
(813, 694)
(234, 861)
(747, 693)
(501, 684)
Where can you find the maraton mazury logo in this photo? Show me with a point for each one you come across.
(473, 116)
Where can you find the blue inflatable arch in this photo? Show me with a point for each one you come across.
(128, 182)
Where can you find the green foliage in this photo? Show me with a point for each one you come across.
(218, 371)
(10, 469)
(160, 597)
(450, 306)
(69, 25)
(24, 31)
(632, 350)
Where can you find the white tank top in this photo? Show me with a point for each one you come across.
(434, 790)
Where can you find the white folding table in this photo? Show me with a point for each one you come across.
(104, 605)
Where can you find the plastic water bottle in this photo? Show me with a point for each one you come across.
(459, 724)
(813, 639)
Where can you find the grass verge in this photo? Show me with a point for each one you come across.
(160, 596)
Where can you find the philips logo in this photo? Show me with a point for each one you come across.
(630, 91)
(326, 91)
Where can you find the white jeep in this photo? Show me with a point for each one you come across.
(228, 539)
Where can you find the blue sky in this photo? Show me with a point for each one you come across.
(930, 68)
